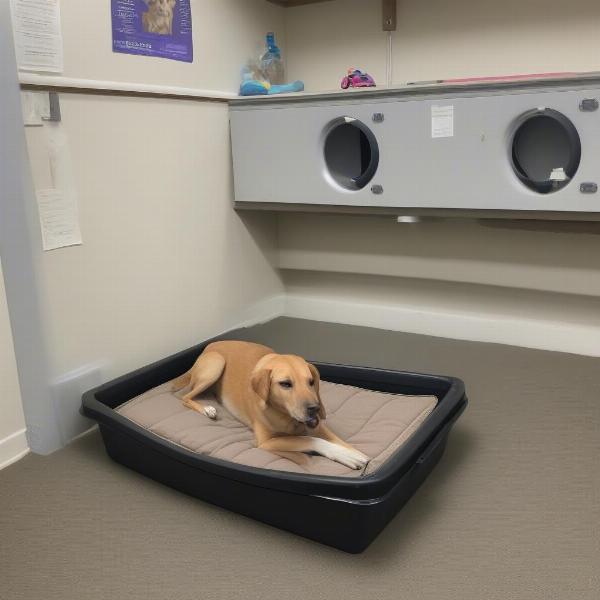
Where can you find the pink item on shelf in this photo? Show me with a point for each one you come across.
(357, 79)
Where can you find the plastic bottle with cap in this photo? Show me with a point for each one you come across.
(270, 62)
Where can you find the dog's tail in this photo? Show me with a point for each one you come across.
(182, 381)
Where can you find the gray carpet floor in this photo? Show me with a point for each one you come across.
(511, 512)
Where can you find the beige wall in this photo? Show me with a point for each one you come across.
(448, 278)
(165, 260)
(226, 33)
(441, 39)
(12, 422)
(455, 251)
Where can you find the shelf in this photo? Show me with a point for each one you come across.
(571, 81)
(586, 222)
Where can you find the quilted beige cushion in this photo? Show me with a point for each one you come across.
(374, 422)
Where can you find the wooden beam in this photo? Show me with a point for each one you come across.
(292, 3)
(388, 10)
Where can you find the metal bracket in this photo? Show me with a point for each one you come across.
(388, 14)
(588, 105)
(54, 108)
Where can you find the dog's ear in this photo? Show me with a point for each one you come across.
(260, 380)
(317, 381)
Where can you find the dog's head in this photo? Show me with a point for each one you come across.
(161, 8)
(291, 385)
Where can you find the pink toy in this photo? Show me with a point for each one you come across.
(357, 79)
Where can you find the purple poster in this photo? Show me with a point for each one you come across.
(153, 28)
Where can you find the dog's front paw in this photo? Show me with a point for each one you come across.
(210, 412)
(363, 459)
(360, 460)
(350, 458)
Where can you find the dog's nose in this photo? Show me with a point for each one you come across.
(312, 409)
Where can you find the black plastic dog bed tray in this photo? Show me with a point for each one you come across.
(346, 513)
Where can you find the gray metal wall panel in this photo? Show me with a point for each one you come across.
(278, 157)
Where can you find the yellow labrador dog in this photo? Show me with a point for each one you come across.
(276, 395)
(159, 17)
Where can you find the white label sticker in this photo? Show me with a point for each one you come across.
(442, 121)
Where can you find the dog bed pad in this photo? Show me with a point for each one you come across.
(375, 423)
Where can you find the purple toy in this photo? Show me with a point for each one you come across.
(356, 78)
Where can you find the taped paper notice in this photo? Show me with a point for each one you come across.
(442, 121)
(31, 114)
(58, 219)
(36, 106)
(38, 37)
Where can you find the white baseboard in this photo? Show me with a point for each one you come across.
(260, 312)
(92, 429)
(540, 334)
(13, 447)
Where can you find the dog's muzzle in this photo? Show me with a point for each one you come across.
(312, 416)
(312, 422)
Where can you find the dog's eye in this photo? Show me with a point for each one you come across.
(285, 384)
(311, 382)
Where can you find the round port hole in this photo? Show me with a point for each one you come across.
(351, 153)
(546, 150)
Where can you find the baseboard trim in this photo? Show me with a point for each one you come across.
(259, 312)
(13, 448)
(537, 334)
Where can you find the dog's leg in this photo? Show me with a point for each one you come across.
(324, 432)
(181, 381)
(205, 372)
(346, 456)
